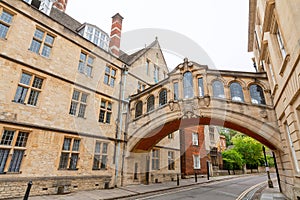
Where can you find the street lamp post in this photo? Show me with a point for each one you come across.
(270, 183)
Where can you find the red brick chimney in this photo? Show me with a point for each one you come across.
(61, 5)
(115, 35)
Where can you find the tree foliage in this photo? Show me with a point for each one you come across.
(232, 159)
(250, 149)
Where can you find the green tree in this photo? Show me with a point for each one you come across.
(232, 159)
(250, 149)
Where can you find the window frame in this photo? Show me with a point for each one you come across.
(171, 160)
(70, 153)
(195, 139)
(257, 95)
(155, 159)
(236, 91)
(196, 161)
(217, 88)
(188, 85)
(105, 113)
(42, 42)
(84, 64)
(138, 109)
(80, 104)
(150, 103)
(108, 81)
(30, 89)
(163, 100)
(99, 156)
(4, 23)
(11, 163)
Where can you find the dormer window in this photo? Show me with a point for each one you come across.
(95, 35)
(43, 5)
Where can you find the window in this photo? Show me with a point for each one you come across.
(155, 159)
(141, 86)
(292, 147)
(196, 159)
(138, 109)
(212, 135)
(236, 92)
(100, 156)
(147, 66)
(70, 154)
(200, 87)
(79, 99)
(170, 136)
(218, 89)
(85, 65)
(188, 85)
(110, 76)
(44, 6)
(195, 139)
(163, 97)
(42, 43)
(150, 103)
(12, 142)
(105, 111)
(280, 42)
(257, 95)
(156, 74)
(176, 92)
(95, 35)
(5, 22)
(29, 89)
(135, 176)
(171, 163)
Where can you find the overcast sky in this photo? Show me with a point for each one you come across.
(197, 29)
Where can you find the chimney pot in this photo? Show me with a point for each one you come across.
(60, 5)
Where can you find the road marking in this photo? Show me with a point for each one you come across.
(248, 190)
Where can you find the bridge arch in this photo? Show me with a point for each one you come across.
(256, 120)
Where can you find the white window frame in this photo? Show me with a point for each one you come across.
(196, 161)
(195, 139)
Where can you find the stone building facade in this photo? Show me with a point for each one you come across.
(62, 112)
(274, 32)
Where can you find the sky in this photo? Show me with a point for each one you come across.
(212, 32)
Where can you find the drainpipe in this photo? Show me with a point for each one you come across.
(120, 119)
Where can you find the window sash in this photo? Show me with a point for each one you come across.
(163, 97)
(195, 139)
(16, 161)
(176, 92)
(218, 89)
(3, 30)
(7, 137)
(64, 159)
(3, 158)
(150, 103)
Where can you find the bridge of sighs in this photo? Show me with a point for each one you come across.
(195, 95)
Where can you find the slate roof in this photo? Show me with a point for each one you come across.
(64, 19)
(129, 59)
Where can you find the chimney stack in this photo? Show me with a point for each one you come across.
(115, 35)
(61, 5)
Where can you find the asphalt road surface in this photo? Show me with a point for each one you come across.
(223, 190)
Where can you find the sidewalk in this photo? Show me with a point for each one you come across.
(133, 190)
(272, 193)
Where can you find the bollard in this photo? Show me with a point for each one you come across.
(27, 190)
(207, 166)
(177, 180)
(196, 177)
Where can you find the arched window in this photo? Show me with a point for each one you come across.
(236, 92)
(218, 89)
(163, 97)
(138, 109)
(257, 95)
(150, 103)
(188, 85)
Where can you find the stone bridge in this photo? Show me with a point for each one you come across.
(195, 95)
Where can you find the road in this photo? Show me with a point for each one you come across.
(223, 190)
